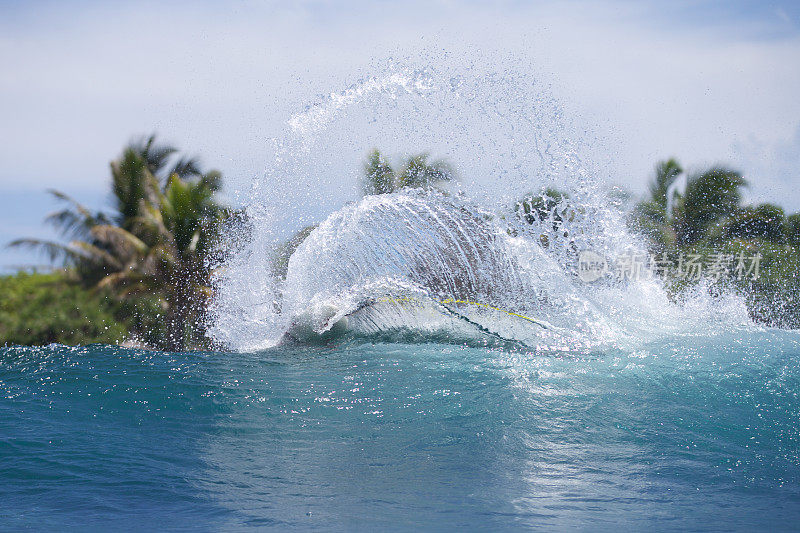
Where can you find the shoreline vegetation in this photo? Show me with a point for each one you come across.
(140, 273)
(146, 261)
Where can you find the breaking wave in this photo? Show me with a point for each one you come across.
(456, 265)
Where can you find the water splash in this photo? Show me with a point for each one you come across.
(459, 264)
(391, 85)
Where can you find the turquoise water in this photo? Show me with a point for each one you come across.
(697, 433)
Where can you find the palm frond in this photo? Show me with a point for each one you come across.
(117, 279)
(187, 167)
(379, 177)
(75, 220)
(212, 180)
(418, 172)
(53, 250)
(166, 253)
(156, 156)
(151, 222)
(96, 255)
(70, 224)
(123, 242)
(128, 181)
(665, 173)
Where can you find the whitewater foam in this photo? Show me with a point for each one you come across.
(460, 264)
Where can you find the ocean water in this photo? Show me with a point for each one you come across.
(428, 360)
(697, 432)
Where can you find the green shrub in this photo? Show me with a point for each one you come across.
(46, 308)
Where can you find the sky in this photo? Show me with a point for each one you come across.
(706, 82)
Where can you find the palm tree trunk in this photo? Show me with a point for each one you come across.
(179, 301)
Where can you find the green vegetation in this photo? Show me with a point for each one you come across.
(154, 244)
(417, 172)
(706, 222)
(709, 220)
(378, 178)
(711, 199)
(45, 308)
(550, 205)
(141, 270)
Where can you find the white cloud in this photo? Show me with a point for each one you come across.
(79, 82)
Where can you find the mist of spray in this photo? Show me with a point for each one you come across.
(506, 136)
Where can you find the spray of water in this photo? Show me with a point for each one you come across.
(459, 264)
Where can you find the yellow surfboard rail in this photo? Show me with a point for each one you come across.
(444, 303)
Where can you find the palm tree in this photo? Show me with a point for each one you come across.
(710, 200)
(764, 221)
(378, 178)
(650, 216)
(158, 157)
(176, 236)
(710, 197)
(665, 174)
(156, 242)
(417, 172)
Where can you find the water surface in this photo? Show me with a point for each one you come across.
(694, 433)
